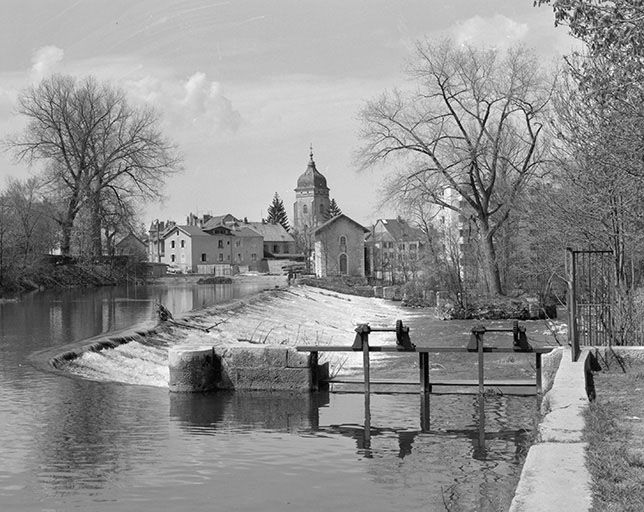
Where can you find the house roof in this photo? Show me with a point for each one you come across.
(191, 231)
(336, 219)
(245, 231)
(130, 237)
(220, 220)
(400, 230)
(271, 232)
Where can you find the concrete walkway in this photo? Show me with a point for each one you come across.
(554, 476)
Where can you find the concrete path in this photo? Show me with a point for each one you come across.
(554, 477)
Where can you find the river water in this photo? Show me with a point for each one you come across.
(78, 444)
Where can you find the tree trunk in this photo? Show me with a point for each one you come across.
(491, 266)
(96, 246)
(66, 227)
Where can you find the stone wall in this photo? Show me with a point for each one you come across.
(243, 367)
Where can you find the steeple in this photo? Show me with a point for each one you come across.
(311, 197)
(311, 178)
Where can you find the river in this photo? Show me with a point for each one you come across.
(78, 444)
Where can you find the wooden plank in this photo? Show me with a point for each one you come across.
(394, 349)
(453, 382)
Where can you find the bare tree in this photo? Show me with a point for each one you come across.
(92, 140)
(472, 125)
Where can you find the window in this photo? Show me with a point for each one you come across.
(253, 257)
(322, 209)
(220, 244)
(412, 247)
(172, 258)
(239, 257)
(276, 249)
(343, 264)
(221, 257)
(183, 243)
(343, 243)
(204, 257)
(237, 243)
(172, 244)
(305, 209)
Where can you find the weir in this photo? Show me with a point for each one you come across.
(280, 368)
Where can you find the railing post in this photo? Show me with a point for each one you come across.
(481, 365)
(363, 331)
(423, 366)
(315, 371)
(538, 369)
(573, 335)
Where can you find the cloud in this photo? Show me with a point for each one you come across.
(45, 60)
(205, 104)
(496, 31)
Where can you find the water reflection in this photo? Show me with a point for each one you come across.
(301, 414)
(467, 456)
(277, 412)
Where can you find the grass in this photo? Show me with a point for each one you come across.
(615, 434)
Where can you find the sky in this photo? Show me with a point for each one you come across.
(246, 87)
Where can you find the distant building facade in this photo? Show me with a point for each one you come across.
(394, 249)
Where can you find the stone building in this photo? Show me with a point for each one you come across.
(339, 248)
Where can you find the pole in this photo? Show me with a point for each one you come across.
(364, 334)
(479, 340)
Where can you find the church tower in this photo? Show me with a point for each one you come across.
(311, 199)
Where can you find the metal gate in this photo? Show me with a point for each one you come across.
(590, 298)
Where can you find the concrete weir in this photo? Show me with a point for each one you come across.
(245, 367)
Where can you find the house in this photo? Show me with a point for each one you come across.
(278, 243)
(156, 247)
(189, 246)
(339, 248)
(131, 245)
(394, 249)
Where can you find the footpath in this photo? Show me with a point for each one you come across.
(554, 476)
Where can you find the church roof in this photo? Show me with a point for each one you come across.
(336, 219)
(311, 178)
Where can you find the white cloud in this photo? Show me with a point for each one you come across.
(206, 105)
(45, 60)
(497, 31)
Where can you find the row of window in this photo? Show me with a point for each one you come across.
(220, 257)
(401, 246)
(220, 243)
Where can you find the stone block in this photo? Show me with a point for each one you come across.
(295, 359)
(255, 356)
(272, 379)
(193, 369)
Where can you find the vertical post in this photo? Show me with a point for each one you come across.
(479, 339)
(481, 447)
(423, 366)
(538, 368)
(573, 336)
(364, 334)
(315, 371)
(424, 412)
